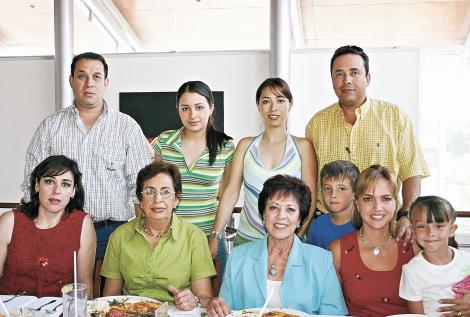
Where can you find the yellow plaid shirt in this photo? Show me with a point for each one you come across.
(382, 134)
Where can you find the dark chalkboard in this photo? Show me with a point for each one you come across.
(156, 112)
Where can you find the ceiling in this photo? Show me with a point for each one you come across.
(108, 26)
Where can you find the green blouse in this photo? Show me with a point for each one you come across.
(179, 258)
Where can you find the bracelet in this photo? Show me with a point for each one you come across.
(402, 213)
(218, 235)
(198, 302)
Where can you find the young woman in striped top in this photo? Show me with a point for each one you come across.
(202, 154)
(257, 158)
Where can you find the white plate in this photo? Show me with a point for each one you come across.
(128, 298)
(16, 302)
(253, 312)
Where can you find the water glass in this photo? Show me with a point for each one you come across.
(68, 296)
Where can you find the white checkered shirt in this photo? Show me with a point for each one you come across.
(109, 156)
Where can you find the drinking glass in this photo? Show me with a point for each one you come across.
(68, 296)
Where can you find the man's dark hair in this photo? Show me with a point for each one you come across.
(89, 55)
(350, 49)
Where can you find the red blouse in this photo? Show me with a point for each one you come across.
(40, 261)
(367, 292)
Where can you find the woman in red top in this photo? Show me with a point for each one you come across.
(37, 241)
(369, 261)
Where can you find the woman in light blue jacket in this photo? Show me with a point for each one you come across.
(280, 267)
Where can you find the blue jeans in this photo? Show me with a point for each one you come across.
(102, 237)
(222, 256)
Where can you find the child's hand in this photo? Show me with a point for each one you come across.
(456, 307)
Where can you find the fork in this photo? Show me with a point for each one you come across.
(53, 310)
(14, 296)
(49, 302)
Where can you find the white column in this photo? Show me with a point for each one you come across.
(280, 39)
(63, 36)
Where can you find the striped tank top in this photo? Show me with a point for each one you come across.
(254, 175)
(200, 181)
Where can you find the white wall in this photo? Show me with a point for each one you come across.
(27, 90)
(394, 78)
(27, 96)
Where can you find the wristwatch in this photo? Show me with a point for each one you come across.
(402, 213)
(218, 235)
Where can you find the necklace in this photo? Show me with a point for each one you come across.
(274, 269)
(375, 248)
(150, 233)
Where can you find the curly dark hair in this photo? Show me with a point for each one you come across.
(286, 185)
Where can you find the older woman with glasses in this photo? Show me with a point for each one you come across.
(158, 255)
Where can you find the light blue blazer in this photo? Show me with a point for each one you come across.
(310, 283)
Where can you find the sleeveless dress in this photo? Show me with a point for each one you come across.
(367, 292)
(254, 175)
(40, 261)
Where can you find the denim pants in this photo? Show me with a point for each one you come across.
(102, 237)
(222, 256)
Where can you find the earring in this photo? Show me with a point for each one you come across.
(71, 197)
(298, 226)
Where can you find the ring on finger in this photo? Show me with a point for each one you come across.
(459, 313)
(185, 304)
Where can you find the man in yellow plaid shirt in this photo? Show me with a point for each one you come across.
(365, 131)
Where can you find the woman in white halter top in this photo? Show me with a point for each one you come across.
(257, 158)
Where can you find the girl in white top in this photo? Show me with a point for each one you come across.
(431, 274)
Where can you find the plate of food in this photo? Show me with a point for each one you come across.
(116, 306)
(269, 312)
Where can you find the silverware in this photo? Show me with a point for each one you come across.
(49, 302)
(14, 296)
(53, 310)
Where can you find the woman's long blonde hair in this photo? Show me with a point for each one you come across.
(369, 178)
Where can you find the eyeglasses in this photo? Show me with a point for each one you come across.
(151, 192)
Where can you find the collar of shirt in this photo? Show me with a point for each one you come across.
(363, 109)
(175, 138)
(175, 227)
(75, 110)
(360, 112)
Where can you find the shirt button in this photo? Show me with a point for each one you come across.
(386, 300)
(43, 261)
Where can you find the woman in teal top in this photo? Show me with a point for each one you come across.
(158, 255)
(279, 268)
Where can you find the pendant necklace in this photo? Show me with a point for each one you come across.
(150, 233)
(274, 269)
(375, 248)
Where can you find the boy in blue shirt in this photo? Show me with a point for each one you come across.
(337, 181)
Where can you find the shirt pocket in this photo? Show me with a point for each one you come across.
(111, 162)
